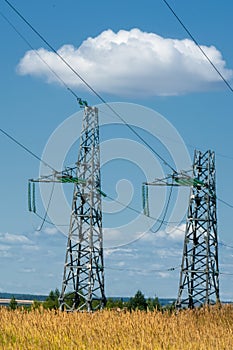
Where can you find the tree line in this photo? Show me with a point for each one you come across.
(137, 302)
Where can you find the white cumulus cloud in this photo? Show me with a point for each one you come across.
(12, 238)
(130, 63)
(174, 233)
(51, 230)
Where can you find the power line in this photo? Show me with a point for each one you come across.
(61, 80)
(161, 221)
(198, 45)
(224, 156)
(49, 222)
(226, 273)
(58, 77)
(165, 211)
(126, 206)
(141, 270)
(49, 45)
(91, 88)
(88, 85)
(26, 149)
(47, 209)
(224, 202)
(41, 58)
(188, 145)
(225, 245)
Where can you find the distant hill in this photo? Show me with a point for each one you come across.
(23, 296)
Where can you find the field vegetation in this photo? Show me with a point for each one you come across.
(206, 328)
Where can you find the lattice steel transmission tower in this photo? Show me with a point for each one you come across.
(83, 278)
(199, 276)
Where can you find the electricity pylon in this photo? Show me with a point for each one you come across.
(199, 276)
(83, 278)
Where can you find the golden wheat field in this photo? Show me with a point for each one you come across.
(206, 328)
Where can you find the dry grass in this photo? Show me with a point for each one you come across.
(207, 329)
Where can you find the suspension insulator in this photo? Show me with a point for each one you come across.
(33, 197)
(29, 197)
(145, 200)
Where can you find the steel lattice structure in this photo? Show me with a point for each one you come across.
(199, 276)
(83, 278)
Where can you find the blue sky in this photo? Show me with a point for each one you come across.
(184, 89)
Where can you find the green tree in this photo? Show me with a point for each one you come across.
(138, 302)
(13, 303)
(52, 301)
(170, 307)
(117, 303)
(153, 304)
(36, 304)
